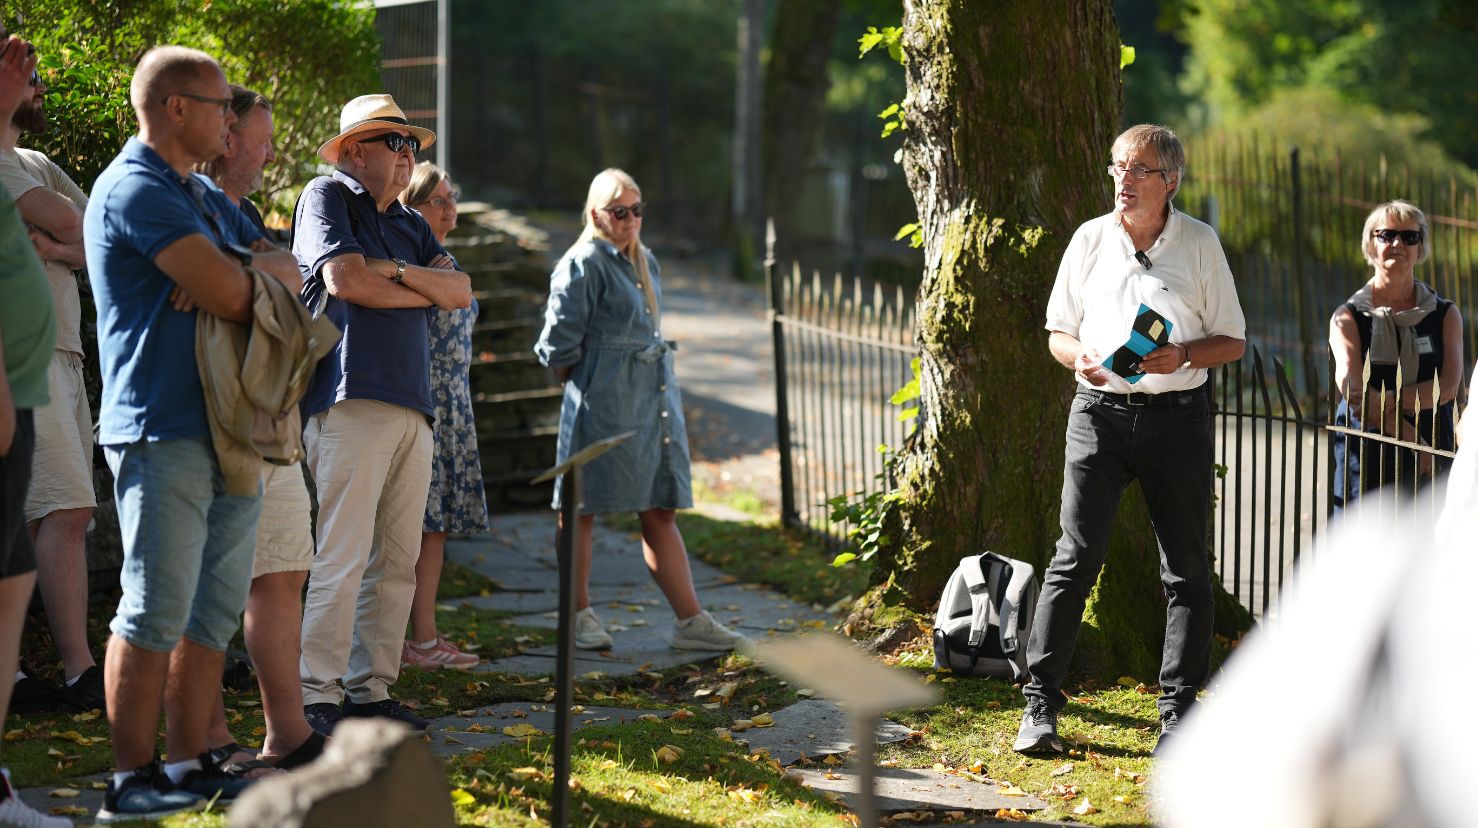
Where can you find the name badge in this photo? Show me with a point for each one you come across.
(1423, 344)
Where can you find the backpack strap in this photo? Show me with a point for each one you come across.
(1012, 599)
(975, 580)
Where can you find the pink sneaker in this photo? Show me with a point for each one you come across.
(443, 655)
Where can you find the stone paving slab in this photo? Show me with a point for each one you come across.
(42, 800)
(916, 789)
(813, 727)
(451, 734)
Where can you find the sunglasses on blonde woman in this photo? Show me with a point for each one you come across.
(1410, 238)
(621, 211)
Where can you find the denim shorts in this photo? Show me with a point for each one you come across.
(187, 545)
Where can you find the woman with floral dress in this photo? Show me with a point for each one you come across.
(602, 336)
(456, 501)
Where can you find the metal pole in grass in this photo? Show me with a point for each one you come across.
(838, 671)
(788, 513)
(564, 678)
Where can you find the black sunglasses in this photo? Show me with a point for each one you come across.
(620, 211)
(395, 141)
(1410, 238)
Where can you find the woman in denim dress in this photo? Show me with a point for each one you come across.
(603, 339)
(456, 501)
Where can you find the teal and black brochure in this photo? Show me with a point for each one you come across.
(1151, 330)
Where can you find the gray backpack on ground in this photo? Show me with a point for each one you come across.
(985, 617)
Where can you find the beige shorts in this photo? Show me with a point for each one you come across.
(61, 476)
(284, 531)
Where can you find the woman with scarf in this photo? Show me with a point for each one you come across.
(1413, 341)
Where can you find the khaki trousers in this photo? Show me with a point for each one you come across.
(371, 462)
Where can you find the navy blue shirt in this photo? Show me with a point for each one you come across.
(384, 353)
(139, 206)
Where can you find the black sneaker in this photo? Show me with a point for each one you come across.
(1169, 723)
(1038, 732)
(35, 695)
(87, 692)
(387, 709)
(323, 716)
(146, 794)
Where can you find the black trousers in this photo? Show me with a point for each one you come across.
(1167, 447)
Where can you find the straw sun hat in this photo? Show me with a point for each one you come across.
(367, 113)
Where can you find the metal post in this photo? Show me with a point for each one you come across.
(443, 83)
(864, 729)
(788, 513)
(564, 682)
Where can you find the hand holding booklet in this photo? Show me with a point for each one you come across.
(1150, 331)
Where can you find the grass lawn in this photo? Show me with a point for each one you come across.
(685, 770)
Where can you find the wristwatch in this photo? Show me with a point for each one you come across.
(399, 271)
(1187, 350)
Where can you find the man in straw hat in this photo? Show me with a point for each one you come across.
(374, 267)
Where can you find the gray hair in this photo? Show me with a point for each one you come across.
(1168, 151)
(425, 178)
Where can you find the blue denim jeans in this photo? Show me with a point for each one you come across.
(187, 545)
(1169, 450)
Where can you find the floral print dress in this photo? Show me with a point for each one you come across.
(456, 501)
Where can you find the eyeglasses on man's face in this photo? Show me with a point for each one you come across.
(621, 211)
(223, 103)
(1410, 238)
(1138, 172)
(396, 142)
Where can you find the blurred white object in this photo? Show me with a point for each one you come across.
(1350, 709)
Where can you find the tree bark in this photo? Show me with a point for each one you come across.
(795, 102)
(1010, 114)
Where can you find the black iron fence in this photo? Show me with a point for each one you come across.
(842, 348)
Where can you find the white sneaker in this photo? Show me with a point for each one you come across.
(704, 632)
(16, 814)
(590, 634)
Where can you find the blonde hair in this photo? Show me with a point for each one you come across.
(1402, 211)
(425, 178)
(607, 186)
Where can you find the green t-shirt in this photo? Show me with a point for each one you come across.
(27, 319)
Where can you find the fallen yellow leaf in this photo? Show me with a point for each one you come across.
(525, 774)
(1012, 791)
(764, 720)
(748, 795)
(667, 754)
(72, 810)
(520, 731)
(681, 714)
(1063, 769)
(1085, 808)
(1124, 800)
(63, 793)
(741, 725)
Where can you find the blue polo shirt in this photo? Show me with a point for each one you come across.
(139, 206)
(384, 353)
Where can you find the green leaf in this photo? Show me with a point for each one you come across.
(461, 798)
(843, 558)
(1126, 56)
(908, 414)
(906, 230)
(889, 112)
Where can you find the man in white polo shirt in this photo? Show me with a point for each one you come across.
(1140, 412)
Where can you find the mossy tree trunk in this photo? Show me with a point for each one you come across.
(1011, 110)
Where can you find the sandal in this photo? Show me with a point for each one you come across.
(252, 768)
(304, 753)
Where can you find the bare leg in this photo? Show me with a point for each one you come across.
(584, 535)
(61, 571)
(274, 623)
(192, 691)
(133, 679)
(15, 594)
(667, 560)
(428, 579)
